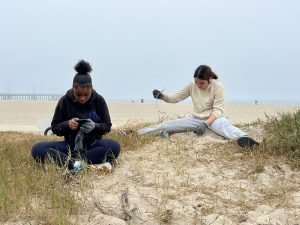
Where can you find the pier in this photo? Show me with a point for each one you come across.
(30, 97)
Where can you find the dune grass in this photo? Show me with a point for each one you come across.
(28, 192)
(283, 136)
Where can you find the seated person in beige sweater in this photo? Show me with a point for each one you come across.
(208, 98)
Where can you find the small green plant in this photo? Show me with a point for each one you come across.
(283, 136)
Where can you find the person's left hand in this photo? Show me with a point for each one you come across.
(200, 130)
(88, 126)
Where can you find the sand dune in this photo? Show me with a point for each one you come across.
(182, 179)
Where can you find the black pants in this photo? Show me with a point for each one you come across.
(104, 150)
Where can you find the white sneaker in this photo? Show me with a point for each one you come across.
(103, 167)
(78, 165)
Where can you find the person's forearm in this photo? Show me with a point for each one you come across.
(210, 119)
(61, 129)
(103, 127)
(165, 98)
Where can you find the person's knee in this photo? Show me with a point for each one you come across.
(117, 149)
(36, 150)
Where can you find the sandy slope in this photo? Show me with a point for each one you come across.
(180, 181)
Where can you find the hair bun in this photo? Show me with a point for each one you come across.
(83, 67)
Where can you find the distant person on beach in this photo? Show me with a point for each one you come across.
(82, 117)
(208, 97)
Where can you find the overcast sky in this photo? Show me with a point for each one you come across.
(137, 45)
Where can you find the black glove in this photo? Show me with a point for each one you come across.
(200, 130)
(88, 126)
(157, 94)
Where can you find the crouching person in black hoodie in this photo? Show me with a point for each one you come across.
(82, 117)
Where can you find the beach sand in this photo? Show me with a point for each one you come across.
(184, 179)
(35, 116)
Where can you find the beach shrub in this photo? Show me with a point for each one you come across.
(283, 135)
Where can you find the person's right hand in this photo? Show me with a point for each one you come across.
(73, 124)
(157, 94)
(88, 126)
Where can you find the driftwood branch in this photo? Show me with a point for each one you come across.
(125, 213)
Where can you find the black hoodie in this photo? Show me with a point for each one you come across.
(67, 108)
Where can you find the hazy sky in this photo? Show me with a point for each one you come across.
(137, 45)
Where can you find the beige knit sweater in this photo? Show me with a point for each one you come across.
(207, 101)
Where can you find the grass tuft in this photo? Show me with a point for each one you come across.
(283, 136)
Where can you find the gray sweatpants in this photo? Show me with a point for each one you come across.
(220, 126)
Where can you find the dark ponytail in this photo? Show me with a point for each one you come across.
(204, 72)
